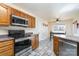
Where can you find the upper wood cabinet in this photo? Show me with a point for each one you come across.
(15, 12)
(6, 12)
(31, 22)
(22, 15)
(4, 15)
(31, 19)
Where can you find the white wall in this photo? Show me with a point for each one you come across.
(40, 29)
(68, 24)
(75, 30)
(3, 32)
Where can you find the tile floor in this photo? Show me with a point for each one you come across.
(44, 49)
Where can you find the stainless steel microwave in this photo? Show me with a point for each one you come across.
(19, 21)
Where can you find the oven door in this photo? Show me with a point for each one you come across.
(67, 48)
(19, 46)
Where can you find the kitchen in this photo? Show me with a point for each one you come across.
(22, 32)
(19, 29)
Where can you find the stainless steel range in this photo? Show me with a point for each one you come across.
(22, 41)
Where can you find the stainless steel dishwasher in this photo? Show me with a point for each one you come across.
(67, 48)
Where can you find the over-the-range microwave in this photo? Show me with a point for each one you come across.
(19, 21)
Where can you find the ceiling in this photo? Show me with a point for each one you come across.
(51, 11)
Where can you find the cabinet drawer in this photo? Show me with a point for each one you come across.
(56, 42)
(6, 43)
(6, 48)
(7, 53)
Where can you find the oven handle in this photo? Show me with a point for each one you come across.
(68, 43)
(22, 39)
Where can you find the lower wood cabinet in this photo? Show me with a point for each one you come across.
(7, 53)
(35, 41)
(7, 48)
(56, 45)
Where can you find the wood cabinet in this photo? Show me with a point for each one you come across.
(35, 41)
(56, 45)
(4, 15)
(15, 12)
(23, 15)
(31, 19)
(31, 22)
(6, 12)
(7, 48)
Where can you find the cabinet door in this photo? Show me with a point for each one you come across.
(4, 15)
(15, 12)
(7, 53)
(32, 22)
(23, 15)
(33, 43)
(5, 43)
(56, 45)
(7, 48)
(37, 41)
(29, 21)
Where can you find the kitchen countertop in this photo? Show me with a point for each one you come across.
(5, 37)
(72, 38)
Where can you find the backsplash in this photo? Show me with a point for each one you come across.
(3, 32)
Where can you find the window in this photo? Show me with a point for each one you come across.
(59, 28)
